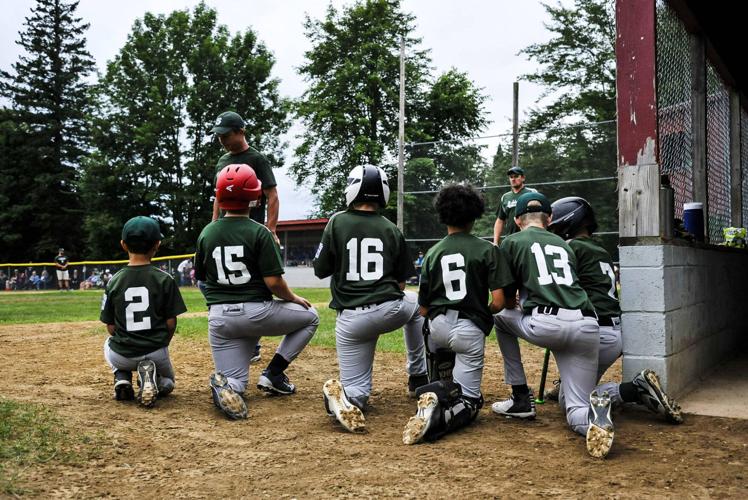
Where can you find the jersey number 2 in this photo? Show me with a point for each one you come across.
(369, 260)
(227, 256)
(137, 292)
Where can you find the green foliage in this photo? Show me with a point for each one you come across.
(44, 136)
(350, 110)
(156, 101)
(31, 434)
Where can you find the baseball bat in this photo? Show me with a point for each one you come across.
(541, 390)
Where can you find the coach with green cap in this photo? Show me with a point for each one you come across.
(229, 128)
(505, 225)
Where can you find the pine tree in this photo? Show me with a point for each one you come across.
(48, 92)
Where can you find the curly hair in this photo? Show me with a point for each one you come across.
(459, 205)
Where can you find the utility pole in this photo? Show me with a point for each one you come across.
(401, 140)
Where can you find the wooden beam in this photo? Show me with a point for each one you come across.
(636, 106)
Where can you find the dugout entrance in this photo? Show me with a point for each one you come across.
(682, 112)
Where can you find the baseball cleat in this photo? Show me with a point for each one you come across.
(600, 430)
(416, 381)
(257, 356)
(227, 399)
(553, 394)
(337, 405)
(418, 425)
(652, 396)
(523, 407)
(123, 390)
(148, 389)
(275, 384)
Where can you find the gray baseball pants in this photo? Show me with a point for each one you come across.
(468, 343)
(611, 347)
(356, 334)
(574, 341)
(164, 368)
(235, 329)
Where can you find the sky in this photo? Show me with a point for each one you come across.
(479, 37)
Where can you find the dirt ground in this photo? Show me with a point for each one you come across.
(289, 448)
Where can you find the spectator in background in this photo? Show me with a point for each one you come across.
(106, 276)
(419, 263)
(3, 280)
(184, 269)
(63, 276)
(45, 278)
(34, 280)
(21, 280)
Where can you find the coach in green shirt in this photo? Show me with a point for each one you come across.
(505, 225)
(230, 130)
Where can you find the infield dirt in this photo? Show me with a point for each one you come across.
(289, 447)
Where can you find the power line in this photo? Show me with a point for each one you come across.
(552, 183)
(509, 134)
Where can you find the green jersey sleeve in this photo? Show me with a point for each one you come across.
(270, 259)
(324, 259)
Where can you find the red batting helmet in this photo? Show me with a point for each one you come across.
(237, 187)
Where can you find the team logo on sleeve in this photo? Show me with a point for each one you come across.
(319, 251)
(103, 302)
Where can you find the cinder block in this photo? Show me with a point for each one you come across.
(641, 256)
(642, 289)
(644, 334)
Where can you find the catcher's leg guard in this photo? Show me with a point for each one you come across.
(439, 363)
(454, 410)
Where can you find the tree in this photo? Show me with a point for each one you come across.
(350, 109)
(158, 98)
(577, 67)
(45, 130)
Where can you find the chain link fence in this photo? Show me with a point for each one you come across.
(86, 275)
(568, 161)
(676, 134)
(717, 155)
(674, 120)
(744, 162)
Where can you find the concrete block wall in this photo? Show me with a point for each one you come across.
(684, 309)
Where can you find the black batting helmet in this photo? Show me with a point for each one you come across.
(571, 214)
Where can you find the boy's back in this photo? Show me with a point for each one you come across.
(138, 301)
(367, 257)
(235, 254)
(545, 267)
(596, 276)
(457, 274)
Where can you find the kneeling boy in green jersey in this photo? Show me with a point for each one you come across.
(457, 275)
(140, 308)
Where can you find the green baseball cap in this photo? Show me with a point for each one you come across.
(226, 122)
(516, 170)
(525, 199)
(141, 228)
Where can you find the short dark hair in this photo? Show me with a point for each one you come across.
(141, 247)
(459, 205)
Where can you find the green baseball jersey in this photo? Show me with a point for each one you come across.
(458, 273)
(596, 275)
(262, 168)
(233, 255)
(544, 269)
(505, 212)
(138, 300)
(61, 260)
(367, 257)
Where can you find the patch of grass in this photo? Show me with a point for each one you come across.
(54, 306)
(30, 435)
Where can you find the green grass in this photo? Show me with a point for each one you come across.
(32, 435)
(54, 306)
